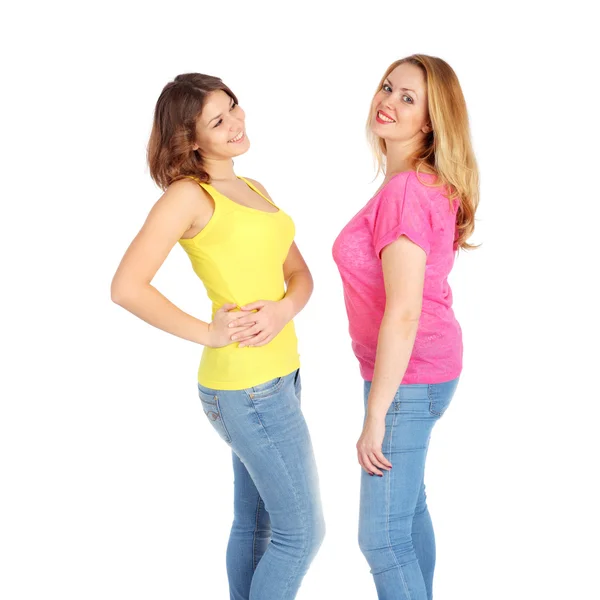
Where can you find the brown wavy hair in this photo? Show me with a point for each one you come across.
(170, 153)
(446, 152)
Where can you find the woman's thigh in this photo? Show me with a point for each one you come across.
(409, 422)
(265, 427)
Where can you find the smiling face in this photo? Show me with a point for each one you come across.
(220, 128)
(399, 109)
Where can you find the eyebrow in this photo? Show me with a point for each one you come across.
(220, 115)
(403, 89)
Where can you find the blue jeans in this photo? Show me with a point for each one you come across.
(278, 522)
(395, 529)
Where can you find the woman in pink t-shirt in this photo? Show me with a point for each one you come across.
(394, 258)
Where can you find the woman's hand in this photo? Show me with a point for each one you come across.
(219, 330)
(370, 456)
(264, 324)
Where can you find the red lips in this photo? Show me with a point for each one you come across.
(380, 120)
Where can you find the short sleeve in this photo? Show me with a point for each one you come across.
(404, 209)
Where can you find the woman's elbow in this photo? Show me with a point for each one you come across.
(310, 281)
(120, 291)
(403, 315)
(303, 277)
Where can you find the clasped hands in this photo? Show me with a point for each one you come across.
(254, 325)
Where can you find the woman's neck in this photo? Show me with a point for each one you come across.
(400, 156)
(398, 159)
(219, 169)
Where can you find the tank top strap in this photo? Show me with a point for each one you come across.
(193, 177)
(252, 186)
(209, 189)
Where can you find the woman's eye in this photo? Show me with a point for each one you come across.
(386, 88)
(407, 99)
(234, 105)
(218, 123)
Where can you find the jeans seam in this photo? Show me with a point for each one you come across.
(392, 568)
(295, 491)
(255, 532)
(388, 501)
(431, 411)
(265, 394)
(217, 411)
(220, 413)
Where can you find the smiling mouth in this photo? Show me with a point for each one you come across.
(383, 118)
(238, 138)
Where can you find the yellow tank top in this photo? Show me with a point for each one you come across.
(239, 258)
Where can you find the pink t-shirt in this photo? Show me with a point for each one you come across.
(405, 206)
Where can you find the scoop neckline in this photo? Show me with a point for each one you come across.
(392, 179)
(243, 206)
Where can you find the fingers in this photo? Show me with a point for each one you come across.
(254, 305)
(243, 339)
(240, 326)
(245, 333)
(240, 332)
(375, 459)
(260, 340)
(256, 344)
(227, 307)
(243, 321)
(367, 465)
(239, 315)
(383, 460)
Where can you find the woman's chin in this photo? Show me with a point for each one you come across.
(239, 149)
(378, 130)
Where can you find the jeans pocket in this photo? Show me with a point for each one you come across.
(440, 396)
(267, 389)
(411, 399)
(298, 385)
(212, 410)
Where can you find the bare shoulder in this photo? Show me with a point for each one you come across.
(184, 206)
(260, 186)
(186, 193)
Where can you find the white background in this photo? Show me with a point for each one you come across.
(113, 483)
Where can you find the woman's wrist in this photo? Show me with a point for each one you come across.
(202, 334)
(376, 414)
(287, 306)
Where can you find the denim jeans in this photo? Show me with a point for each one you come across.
(278, 522)
(395, 529)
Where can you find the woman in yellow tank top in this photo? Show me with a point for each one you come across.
(241, 246)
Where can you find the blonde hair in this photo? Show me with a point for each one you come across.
(446, 152)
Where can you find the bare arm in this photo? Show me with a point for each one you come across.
(178, 210)
(298, 280)
(403, 265)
